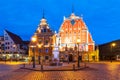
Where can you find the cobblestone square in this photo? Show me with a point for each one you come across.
(95, 71)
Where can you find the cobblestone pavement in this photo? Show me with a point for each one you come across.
(8, 67)
(96, 71)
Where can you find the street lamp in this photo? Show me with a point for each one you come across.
(16, 51)
(33, 50)
(112, 45)
(78, 41)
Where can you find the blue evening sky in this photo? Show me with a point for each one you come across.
(23, 16)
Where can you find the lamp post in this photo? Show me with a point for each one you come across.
(78, 41)
(33, 51)
(14, 47)
(112, 45)
(39, 50)
(66, 49)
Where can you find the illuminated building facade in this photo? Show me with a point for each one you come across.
(12, 46)
(72, 29)
(1, 45)
(43, 43)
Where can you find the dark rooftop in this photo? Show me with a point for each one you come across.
(15, 37)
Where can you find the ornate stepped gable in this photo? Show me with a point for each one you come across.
(74, 28)
(44, 40)
(44, 33)
(43, 27)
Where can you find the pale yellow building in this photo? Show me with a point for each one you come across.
(42, 43)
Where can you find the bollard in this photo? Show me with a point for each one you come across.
(24, 65)
(85, 65)
(74, 67)
(41, 67)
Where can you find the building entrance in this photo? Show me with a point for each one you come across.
(70, 57)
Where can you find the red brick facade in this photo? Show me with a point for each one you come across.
(74, 28)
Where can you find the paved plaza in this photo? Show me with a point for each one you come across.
(95, 71)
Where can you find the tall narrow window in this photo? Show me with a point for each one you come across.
(45, 30)
(42, 30)
(46, 50)
(46, 42)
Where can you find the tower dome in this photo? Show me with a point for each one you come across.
(43, 21)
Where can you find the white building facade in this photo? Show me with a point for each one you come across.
(12, 46)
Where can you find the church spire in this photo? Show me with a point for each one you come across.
(72, 8)
(43, 20)
(43, 16)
